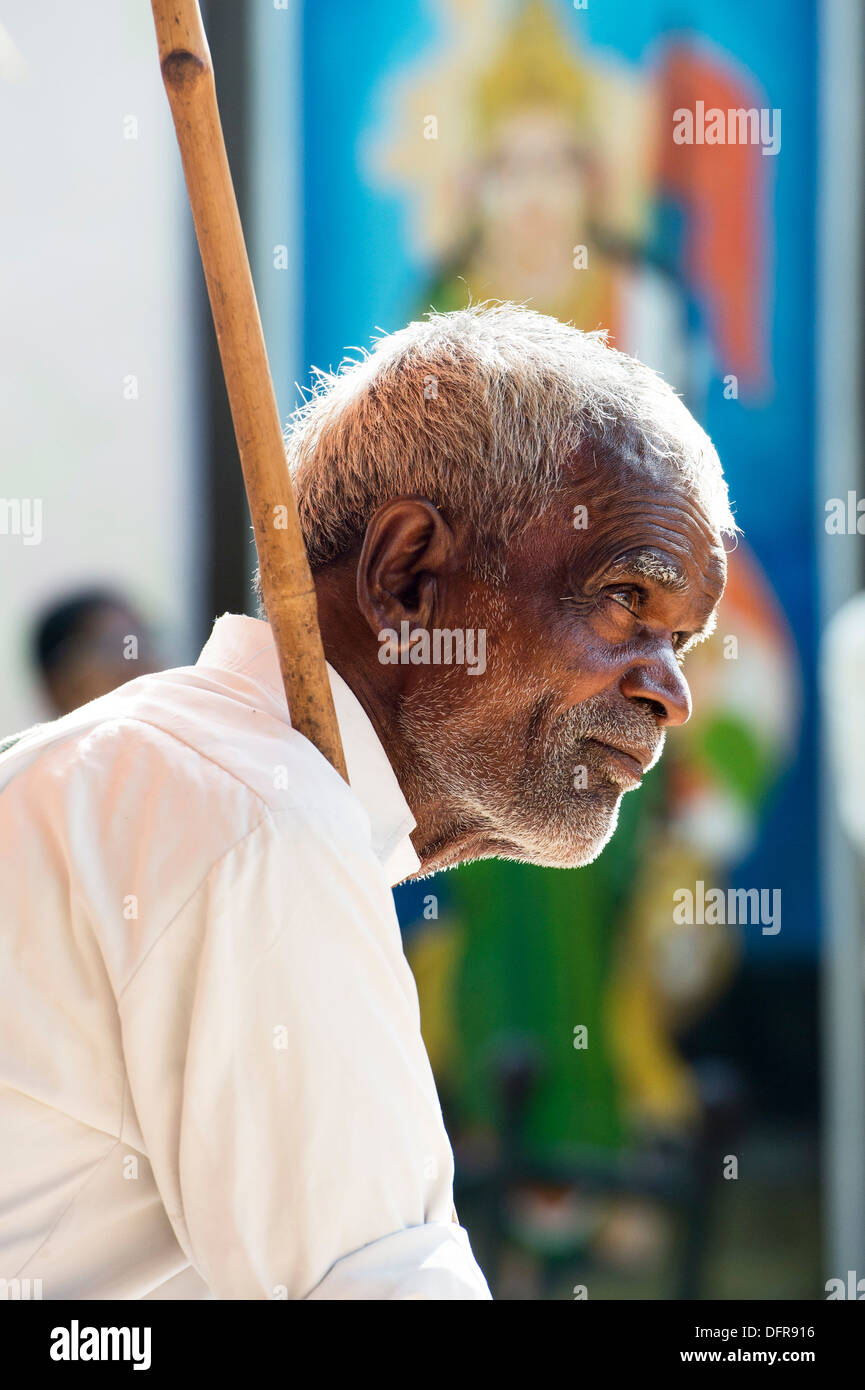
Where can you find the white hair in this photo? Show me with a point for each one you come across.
(485, 412)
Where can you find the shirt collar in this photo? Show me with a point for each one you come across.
(246, 645)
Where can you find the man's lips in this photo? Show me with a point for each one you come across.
(632, 764)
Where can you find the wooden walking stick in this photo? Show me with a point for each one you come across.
(286, 580)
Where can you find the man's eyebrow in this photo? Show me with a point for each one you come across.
(650, 564)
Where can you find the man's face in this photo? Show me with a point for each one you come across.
(583, 673)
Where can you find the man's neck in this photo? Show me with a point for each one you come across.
(445, 835)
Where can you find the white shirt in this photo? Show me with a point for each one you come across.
(212, 1077)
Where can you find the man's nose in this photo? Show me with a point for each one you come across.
(660, 683)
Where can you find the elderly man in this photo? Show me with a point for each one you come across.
(211, 1066)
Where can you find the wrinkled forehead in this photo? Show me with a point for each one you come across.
(627, 506)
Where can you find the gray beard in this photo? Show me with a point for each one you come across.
(533, 812)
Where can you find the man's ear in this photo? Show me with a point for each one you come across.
(408, 554)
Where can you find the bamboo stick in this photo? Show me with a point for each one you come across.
(286, 580)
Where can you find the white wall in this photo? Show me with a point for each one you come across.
(97, 272)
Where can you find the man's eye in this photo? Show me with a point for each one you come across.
(627, 597)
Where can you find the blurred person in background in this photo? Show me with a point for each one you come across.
(88, 643)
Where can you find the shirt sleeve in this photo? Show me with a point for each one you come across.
(280, 1082)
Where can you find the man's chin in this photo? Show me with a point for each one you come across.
(573, 840)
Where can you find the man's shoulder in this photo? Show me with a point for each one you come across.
(179, 738)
